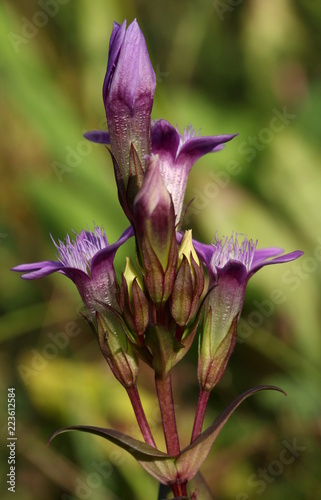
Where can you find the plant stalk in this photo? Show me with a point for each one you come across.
(200, 413)
(179, 489)
(166, 404)
(140, 415)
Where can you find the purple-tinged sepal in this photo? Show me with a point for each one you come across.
(154, 224)
(166, 350)
(114, 343)
(230, 265)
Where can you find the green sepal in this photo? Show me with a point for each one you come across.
(136, 175)
(134, 307)
(182, 294)
(142, 352)
(115, 346)
(212, 360)
(140, 308)
(121, 190)
(151, 270)
(164, 347)
(159, 282)
(189, 334)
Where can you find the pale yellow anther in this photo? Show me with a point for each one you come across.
(187, 248)
(130, 274)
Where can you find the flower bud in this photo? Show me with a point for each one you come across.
(189, 283)
(128, 94)
(116, 348)
(133, 302)
(222, 310)
(154, 223)
(230, 264)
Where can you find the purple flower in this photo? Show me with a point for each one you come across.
(178, 153)
(88, 262)
(128, 94)
(230, 265)
(244, 259)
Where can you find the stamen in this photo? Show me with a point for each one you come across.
(78, 253)
(230, 249)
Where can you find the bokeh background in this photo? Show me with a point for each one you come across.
(227, 66)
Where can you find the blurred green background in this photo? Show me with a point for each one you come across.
(227, 66)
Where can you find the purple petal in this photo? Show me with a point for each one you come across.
(266, 253)
(233, 269)
(134, 77)
(115, 43)
(98, 136)
(165, 141)
(204, 251)
(196, 147)
(278, 260)
(103, 260)
(37, 270)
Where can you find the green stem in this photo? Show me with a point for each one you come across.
(166, 404)
(140, 415)
(200, 412)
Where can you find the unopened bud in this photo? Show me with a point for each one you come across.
(189, 283)
(222, 310)
(133, 302)
(115, 346)
(154, 222)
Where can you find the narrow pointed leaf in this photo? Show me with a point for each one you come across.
(192, 457)
(155, 462)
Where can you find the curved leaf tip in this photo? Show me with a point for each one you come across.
(192, 457)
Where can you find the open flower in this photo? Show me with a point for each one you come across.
(178, 153)
(88, 262)
(230, 265)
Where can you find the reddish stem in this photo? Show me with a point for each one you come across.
(140, 415)
(200, 412)
(179, 489)
(166, 404)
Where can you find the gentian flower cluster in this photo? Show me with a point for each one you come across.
(178, 289)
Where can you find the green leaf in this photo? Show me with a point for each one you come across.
(154, 461)
(163, 467)
(192, 457)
